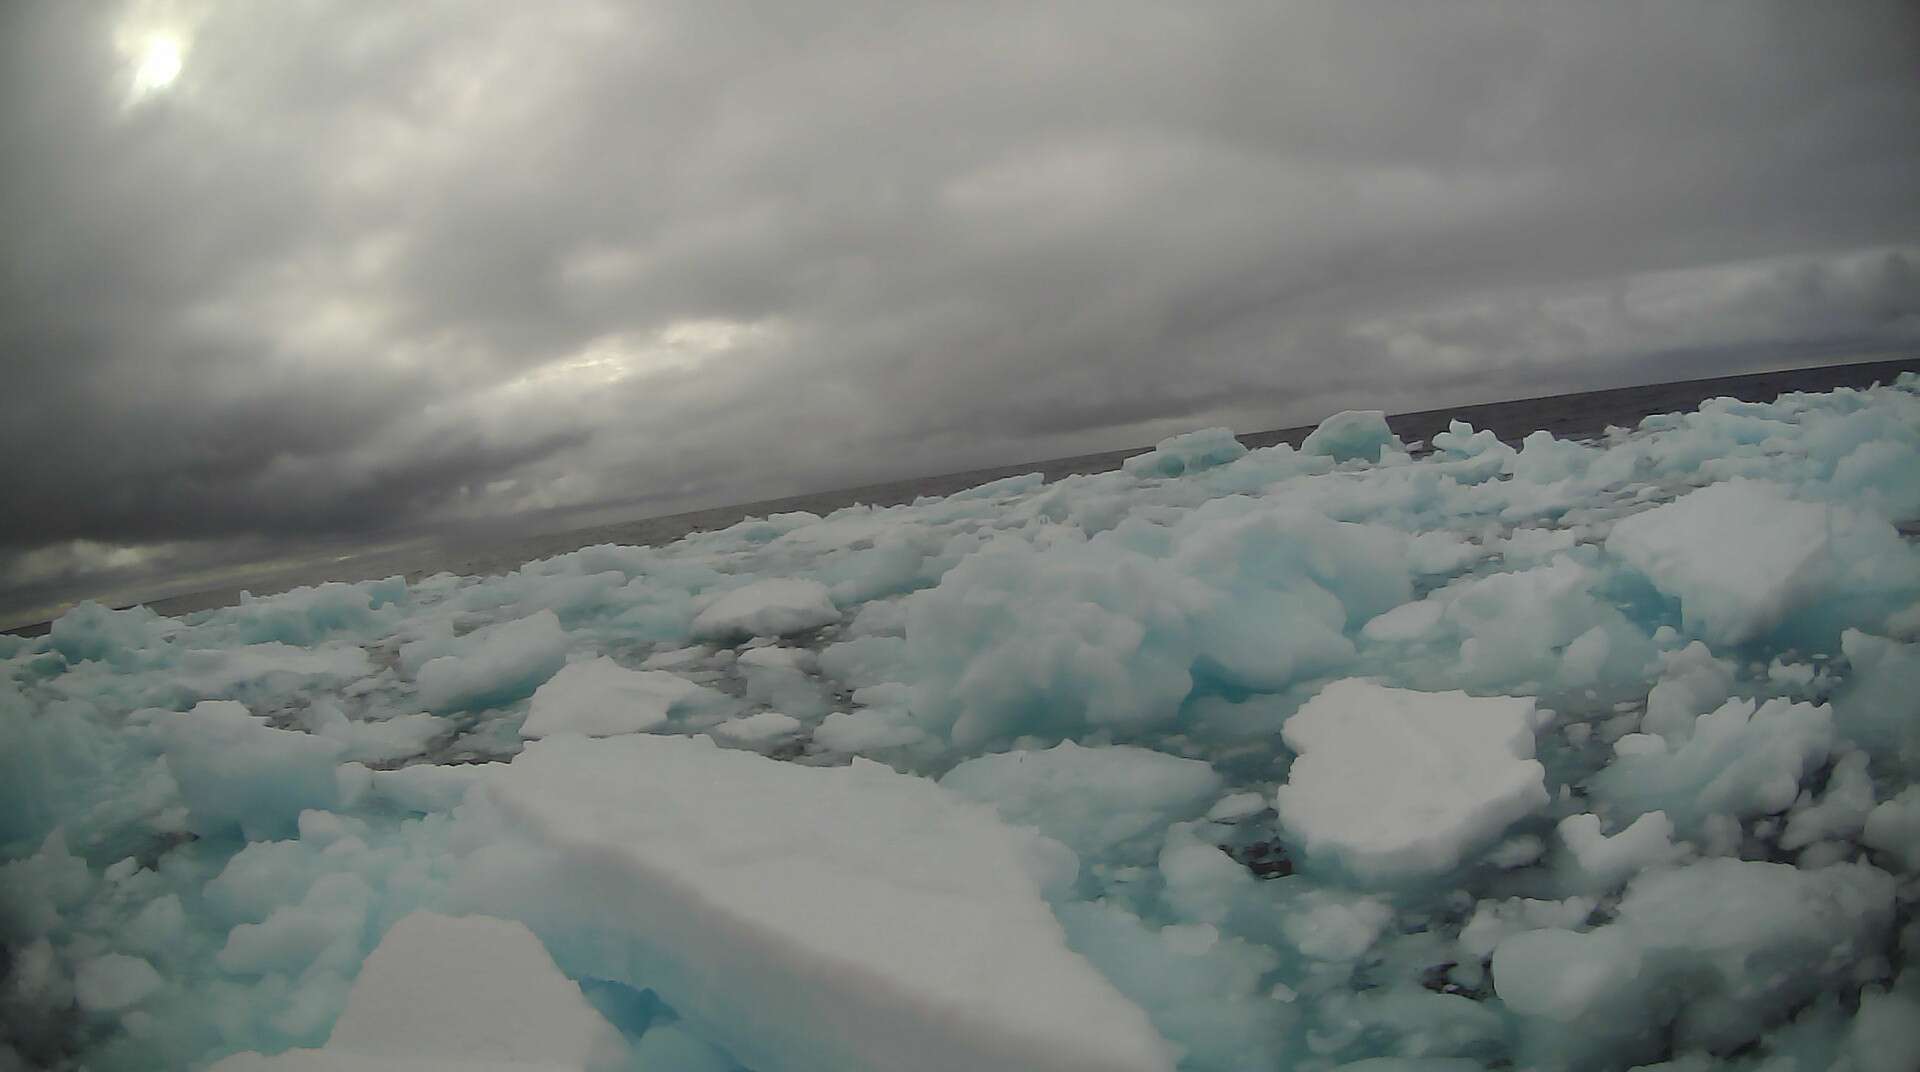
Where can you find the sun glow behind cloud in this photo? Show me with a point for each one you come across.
(681, 345)
(153, 39)
(160, 63)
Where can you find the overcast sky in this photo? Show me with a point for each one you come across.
(282, 271)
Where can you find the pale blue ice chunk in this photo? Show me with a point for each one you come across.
(1350, 435)
(1190, 452)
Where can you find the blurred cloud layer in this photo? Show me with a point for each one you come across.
(279, 271)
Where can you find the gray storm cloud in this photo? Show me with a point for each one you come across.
(286, 271)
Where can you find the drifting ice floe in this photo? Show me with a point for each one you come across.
(766, 608)
(1570, 756)
(1397, 783)
(601, 698)
(1742, 556)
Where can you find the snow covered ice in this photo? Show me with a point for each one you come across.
(600, 698)
(1395, 782)
(472, 991)
(831, 917)
(1564, 756)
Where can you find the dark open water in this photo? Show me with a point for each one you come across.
(1571, 416)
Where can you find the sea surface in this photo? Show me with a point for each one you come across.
(1568, 416)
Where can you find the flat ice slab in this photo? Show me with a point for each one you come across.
(1397, 783)
(457, 992)
(777, 606)
(601, 698)
(819, 918)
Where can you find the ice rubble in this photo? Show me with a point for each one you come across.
(1740, 941)
(113, 981)
(1090, 799)
(1572, 756)
(234, 771)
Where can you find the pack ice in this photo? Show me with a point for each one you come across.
(1557, 755)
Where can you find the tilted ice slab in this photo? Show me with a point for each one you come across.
(441, 992)
(1187, 453)
(1739, 556)
(500, 663)
(811, 918)
(1397, 783)
(601, 698)
(777, 606)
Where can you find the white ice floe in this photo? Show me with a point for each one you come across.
(815, 919)
(457, 992)
(1397, 783)
(774, 607)
(1743, 555)
(601, 698)
(758, 728)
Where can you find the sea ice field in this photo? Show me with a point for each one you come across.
(1366, 755)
